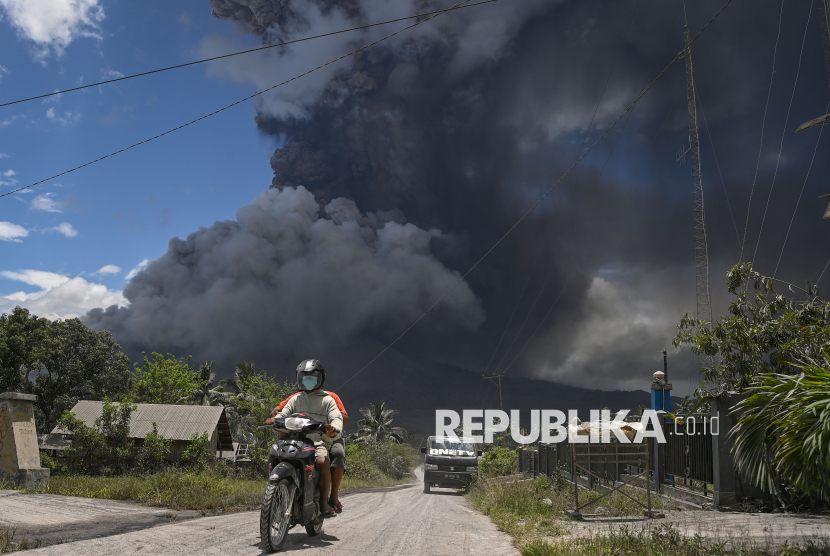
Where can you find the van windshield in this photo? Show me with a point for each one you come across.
(438, 447)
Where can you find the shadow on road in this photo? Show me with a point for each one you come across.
(301, 541)
(445, 493)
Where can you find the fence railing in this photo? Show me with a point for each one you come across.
(684, 462)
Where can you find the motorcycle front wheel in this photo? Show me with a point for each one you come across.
(275, 515)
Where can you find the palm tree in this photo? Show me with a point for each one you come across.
(240, 416)
(206, 393)
(243, 372)
(783, 430)
(377, 426)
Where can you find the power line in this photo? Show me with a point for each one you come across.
(519, 331)
(542, 198)
(784, 131)
(514, 311)
(822, 273)
(717, 165)
(763, 126)
(795, 210)
(637, 169)
(285, 43)
(581, 146)
(235, 103)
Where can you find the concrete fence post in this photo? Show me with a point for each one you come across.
(729, 485)
(723, 469)
(19, 453)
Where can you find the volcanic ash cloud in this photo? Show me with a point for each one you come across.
(288, 275)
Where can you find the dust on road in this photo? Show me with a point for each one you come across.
(389, 522)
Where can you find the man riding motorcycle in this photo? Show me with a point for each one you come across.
(315, 403)
(337, 452)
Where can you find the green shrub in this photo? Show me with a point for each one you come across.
(54, 466)
(392, 459)
(104, 447)
(198, 453)
(151, 455)
(498, 461)
(359, 465)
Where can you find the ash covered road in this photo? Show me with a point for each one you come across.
(394, 521)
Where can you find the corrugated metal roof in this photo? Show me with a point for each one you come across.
(175, 422)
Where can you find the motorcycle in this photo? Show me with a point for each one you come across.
(293, 495)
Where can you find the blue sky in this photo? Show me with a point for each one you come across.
(87, 230)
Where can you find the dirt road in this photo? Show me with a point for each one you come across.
(394, 521)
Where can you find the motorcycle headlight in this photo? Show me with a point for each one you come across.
(431, 467)
(295, 423)
(472, 469)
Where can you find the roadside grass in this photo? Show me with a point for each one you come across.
(519, 508)
(10, 541)
(207, 492)
(533, 513)
(528, 509)
(660, 541)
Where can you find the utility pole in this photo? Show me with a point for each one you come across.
(704, 299)
(824, 18)
(493, 379)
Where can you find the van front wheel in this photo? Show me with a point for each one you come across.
(426, 487)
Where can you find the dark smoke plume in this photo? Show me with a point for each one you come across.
(460, 124)
(288, 275)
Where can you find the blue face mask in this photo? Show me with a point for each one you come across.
(310, 382)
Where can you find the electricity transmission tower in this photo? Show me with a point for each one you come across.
(824, 18)
(704, 299)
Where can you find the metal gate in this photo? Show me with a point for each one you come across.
(689, 462)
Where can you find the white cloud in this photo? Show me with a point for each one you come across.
(4, 155)
(64, 228)
(60, 297)
(9, 121)
(42, 279)
(67, 118)
(3, 71)
(46, 202)
(54, 24)
(141, 266)
(7, 177)
(107, 269)
(12, 232)
(110, 74)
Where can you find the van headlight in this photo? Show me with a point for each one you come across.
(472, 469)
(431, 467)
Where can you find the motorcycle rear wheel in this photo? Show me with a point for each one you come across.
(274, 517)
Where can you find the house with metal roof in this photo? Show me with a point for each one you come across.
(174, 422)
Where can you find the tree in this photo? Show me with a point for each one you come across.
(762, 332)
(252, 397)
(61, 362)
(164, 380)
(106, 445)
(205, 393)
(776, 350)
(76, 363)
(377, 426)
(22, 336)
(783, 432)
